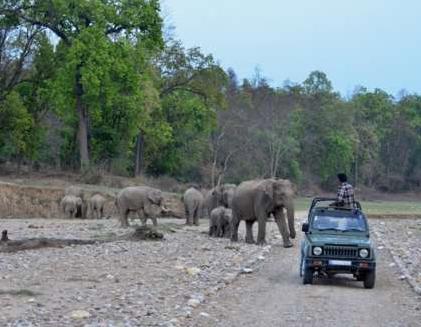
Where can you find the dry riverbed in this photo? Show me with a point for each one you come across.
(191, 279)
(121, 283)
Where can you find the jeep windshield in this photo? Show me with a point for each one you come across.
(339, 223)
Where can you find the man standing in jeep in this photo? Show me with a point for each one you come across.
(345, 195)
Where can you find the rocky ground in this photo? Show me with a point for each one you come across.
(121, 283)
(187, 279)
(402, 237)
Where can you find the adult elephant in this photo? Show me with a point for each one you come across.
(255, 200)
(193, 205)
(140, 199)
(220, 195)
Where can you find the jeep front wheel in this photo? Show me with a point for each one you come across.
(370, 279)
(307, 276)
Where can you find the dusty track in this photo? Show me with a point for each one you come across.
(274, 296)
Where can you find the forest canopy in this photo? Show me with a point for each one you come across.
(94, 84)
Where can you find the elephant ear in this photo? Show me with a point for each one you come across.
(268, 189)
(155, 197)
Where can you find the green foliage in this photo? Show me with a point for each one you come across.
(16, 137)
(176, 110)
(191, 91)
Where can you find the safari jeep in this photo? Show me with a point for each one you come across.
(337, 241)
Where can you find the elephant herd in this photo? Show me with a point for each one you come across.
(74, 204)
(225, 205)
(252, 201)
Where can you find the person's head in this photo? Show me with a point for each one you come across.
(342, 177)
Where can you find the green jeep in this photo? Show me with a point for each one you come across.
(337, 241)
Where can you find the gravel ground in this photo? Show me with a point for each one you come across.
(190, 279)
(121, 283)
(402, 237)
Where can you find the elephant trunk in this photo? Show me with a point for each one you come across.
(290, 216)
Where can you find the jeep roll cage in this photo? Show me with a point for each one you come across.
(317, 200)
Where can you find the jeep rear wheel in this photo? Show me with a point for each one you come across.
(370, 279)
(307, 276)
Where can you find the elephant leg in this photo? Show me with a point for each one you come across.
(291, 224)
(191, 217)
(124, 218)
(249, 232)
(282, 226)
(261, 234)
(101, 213)
(196, 216)
(186, 213)
(227, 231)
(211, 228)
(234, 228)
(154, 220)
(219, 230)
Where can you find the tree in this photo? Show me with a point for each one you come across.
(17, 124)
(88, 31)
(191, 88)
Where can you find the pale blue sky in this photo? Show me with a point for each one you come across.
(374, 43)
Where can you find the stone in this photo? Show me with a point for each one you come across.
(246, 271)
(80, 314)
(193, 271)
(193, 303)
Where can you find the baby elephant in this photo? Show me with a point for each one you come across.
(96, 206)
(220, 222)
(71, 205)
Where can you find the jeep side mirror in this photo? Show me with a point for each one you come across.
(305, 227)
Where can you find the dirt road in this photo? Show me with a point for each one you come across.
(274, 296)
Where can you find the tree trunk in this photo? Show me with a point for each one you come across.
(83, 123)
(139, 155)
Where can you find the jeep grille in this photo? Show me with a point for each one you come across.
(340, 251)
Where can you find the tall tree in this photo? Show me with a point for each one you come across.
(87, 30)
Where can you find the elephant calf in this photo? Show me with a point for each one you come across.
(193, 205)
(220, 222)
(78, 192)
(141, 199)
(96, 206)
(71, 205)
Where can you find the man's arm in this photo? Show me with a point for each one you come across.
(340, 196)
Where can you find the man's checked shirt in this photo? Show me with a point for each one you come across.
(345, 195)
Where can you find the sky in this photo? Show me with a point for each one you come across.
(372, 43)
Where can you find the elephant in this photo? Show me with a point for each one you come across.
(71, 205)
(96, 206)
(193, 204)
(255, 200)
(227, 194)
(78, 192)
(219, 195)
(220, 222)
(141, 199)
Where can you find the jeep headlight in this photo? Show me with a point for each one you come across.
(363, 253)
(317, 250)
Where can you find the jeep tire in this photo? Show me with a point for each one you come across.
(308, 276)
(370, 279)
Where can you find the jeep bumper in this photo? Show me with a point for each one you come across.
(338, 265)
